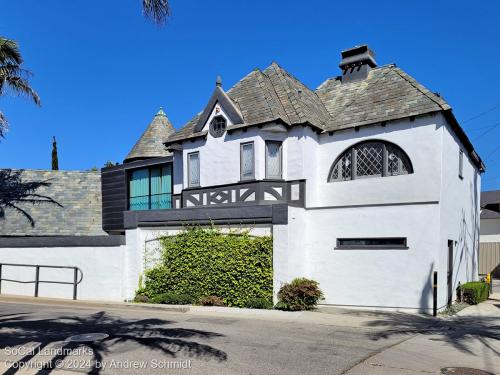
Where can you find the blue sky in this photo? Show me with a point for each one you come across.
(102, 71)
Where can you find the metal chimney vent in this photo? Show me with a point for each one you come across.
(356, 63)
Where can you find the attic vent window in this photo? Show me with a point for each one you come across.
(217, 126)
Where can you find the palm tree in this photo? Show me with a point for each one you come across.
(13, 78)
(156, 10)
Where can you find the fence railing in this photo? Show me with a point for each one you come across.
(37, 280)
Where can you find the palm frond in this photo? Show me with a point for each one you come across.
(3, 124)
(157, 11)
(9, 52)
(20, 86)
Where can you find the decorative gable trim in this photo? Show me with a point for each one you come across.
(219, 96)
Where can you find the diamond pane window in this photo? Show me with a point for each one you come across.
(247, 161)
(370, 159)
(273, 159)
(194, 169)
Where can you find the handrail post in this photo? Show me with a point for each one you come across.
(434, 293)
(37, 280)
(75, 282)
(0, 278)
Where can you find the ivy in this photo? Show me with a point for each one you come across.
(202, 262)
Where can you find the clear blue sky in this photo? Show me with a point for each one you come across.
(102, 71)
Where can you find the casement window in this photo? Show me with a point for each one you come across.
(370, 159)
(372, 243)
(247, 161)
(194, 169)
(274, 160)
(461, 164)
(150, 188)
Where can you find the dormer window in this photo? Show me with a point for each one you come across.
(217, 126)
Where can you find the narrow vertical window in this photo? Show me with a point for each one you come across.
(461, 164)
(247, 165)
(194, 169)
(139, 190)
(274, 159)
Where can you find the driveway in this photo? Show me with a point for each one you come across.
(33, 336)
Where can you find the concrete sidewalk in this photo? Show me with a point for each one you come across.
(469, 339)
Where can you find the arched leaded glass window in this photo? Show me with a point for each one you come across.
(370, 159)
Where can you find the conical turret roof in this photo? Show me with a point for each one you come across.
(150, 145)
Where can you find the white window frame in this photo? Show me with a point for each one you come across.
(252, 177)
(280, 177)
(190, 183)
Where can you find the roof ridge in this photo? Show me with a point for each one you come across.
(425, 91)
(277, 96)
(280, 72)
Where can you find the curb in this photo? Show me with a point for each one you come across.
(86, 303)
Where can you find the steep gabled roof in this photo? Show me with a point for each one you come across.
(266, 96)
(150, 145)
(386, 94)
(274, 95)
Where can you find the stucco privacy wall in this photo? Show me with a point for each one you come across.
(459, 215)
(78, 192)
(143, 250)
(102, 267)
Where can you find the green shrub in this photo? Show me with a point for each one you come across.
(141, 298)
(474, 292)
(259, 303)
(211, 301)
(173, 299)
(300, 294)
(206, 262)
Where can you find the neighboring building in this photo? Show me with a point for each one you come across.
(368, 183)
(489, 252)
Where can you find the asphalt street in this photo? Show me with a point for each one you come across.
(38, 339)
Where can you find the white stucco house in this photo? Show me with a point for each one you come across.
(368, 184)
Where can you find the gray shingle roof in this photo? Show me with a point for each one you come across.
(490, 197)
(150, 145)
(387, 93)
(273, 94)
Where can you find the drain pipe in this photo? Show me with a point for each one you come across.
(434, 293)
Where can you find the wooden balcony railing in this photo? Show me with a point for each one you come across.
(244, 193)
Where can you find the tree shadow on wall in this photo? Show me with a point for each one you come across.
(15, 192)
(153, 334)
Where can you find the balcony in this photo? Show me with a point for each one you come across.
(243, 193)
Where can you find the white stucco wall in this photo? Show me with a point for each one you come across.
(459, 215)
(102, 269)
(490, 230)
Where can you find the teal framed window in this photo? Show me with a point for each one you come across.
(150, 188)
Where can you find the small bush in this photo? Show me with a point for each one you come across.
(141, 298)
(211, 301)
(474, 292)
(173, 299)
(300, 294)
(259, 303)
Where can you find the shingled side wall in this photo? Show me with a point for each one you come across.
(78, 192)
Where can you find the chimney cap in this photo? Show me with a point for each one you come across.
(358, 55)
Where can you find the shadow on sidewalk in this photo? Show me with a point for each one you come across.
(456, 331)
(19, 330)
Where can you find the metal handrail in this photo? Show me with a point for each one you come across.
(37, 280)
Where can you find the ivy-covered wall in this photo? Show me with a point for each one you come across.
(203, 262)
